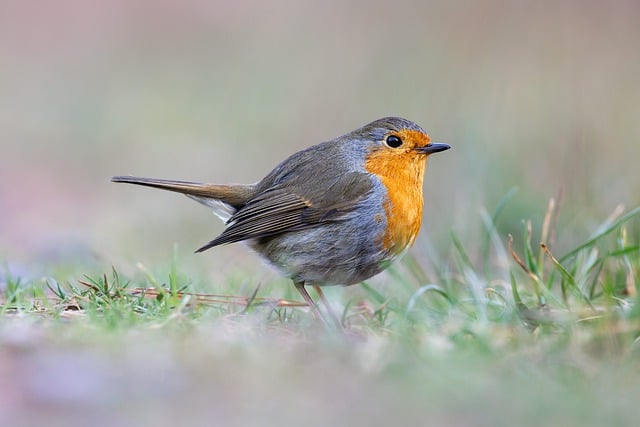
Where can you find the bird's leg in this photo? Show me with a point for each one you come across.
(314, 307)
(324, 300)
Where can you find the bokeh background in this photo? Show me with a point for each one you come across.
(539, 96)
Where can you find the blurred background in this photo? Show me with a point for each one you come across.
(542, 96)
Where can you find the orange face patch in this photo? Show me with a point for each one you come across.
(413, 138)
(401, 171)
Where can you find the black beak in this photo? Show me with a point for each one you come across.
(434, 147)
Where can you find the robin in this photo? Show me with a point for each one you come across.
(336, 213)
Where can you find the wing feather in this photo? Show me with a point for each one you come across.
(281, 209)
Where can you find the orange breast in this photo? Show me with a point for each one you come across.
(402, 174)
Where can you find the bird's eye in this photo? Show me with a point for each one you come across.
(393, 141)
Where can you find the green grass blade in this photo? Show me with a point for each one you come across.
(466, 261)
(490, 228)
(601, 234)
(422, 290)
(568, 277)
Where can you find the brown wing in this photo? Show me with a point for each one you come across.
(282, 208)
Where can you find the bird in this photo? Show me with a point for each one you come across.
(335, 213)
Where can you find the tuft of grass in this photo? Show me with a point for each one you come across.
(499, 285)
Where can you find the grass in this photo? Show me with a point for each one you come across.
(502, 334)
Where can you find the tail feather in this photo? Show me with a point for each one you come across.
(234, 195)
(224, 200)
